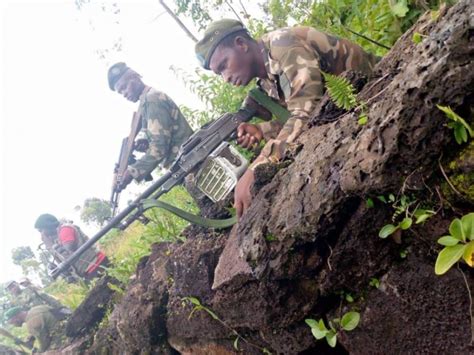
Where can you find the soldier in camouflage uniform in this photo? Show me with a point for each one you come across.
(42, 324)
(63, 239)
(287, 64)
(164, 127)
(30, 297)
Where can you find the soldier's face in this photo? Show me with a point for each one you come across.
(235, 64)
(130, 86)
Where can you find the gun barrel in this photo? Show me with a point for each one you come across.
(193, 152)
(113, 223)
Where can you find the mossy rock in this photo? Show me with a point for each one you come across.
(460, 172)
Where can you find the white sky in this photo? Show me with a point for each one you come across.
(61, 126)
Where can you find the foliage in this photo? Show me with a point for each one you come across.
(96, 210)
(403, 214)
(381, 21)
(69, 294)
(218, 96)
(126, 248)
(30, 265)
(342, 93)
(348, 322)
(21, 253)
(459, 244)
(459, 126)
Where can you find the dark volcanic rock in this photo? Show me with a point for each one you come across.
(309, 238)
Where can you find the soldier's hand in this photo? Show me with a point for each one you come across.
(242, 195)
(248, 135)
(141, 145)
(125, 180)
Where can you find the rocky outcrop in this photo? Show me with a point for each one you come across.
(309, 238)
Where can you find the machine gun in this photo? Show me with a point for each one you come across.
(125, 159)
(190, 157)
(52, 258)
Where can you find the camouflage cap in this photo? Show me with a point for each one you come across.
(12, 312)
(115, 73)
(46, 221)
(214, 34)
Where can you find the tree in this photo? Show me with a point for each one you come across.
(22, 253)
(96, 210)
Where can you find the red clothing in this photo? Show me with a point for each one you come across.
(67, 235)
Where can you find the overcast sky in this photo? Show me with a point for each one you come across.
(61, 126)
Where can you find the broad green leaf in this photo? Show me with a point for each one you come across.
(321, 325)
(350, 320)
(448, 257)
(406, 223)
(331, 338)
(363, 119)
(349, 298)
(468, 225)
(456, 230)
(318, 333)
(387, 230)
(456, 118)
(400, 9)
(382, 198)
(457, 135)
(391, 197)
(369, 203)
(311, 322)
(448, 241)
(416, 38)
(468, 255)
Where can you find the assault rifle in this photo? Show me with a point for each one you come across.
(191, 155)
(126, 158)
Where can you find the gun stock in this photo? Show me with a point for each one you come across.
(125, 159)
(192, 154)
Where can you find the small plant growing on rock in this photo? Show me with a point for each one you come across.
(402, 209)
(348, 322)
(342, 93)
(459, 244)
(459, 126)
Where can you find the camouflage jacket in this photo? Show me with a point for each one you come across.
(40, 323)
(294, 58)
(166, 129)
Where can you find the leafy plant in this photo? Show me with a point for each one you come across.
(374, 282)
(348, 322)
(459, 126)
(402, 208)
(459, 244)
(342, 93)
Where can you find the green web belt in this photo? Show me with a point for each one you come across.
(281, 115)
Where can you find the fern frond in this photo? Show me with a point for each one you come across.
(340, 90)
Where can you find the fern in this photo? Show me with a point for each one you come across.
(341, 91)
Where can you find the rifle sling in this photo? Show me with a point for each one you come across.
(206, 222)
(281, 113)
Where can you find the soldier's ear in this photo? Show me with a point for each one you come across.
(241, 43)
